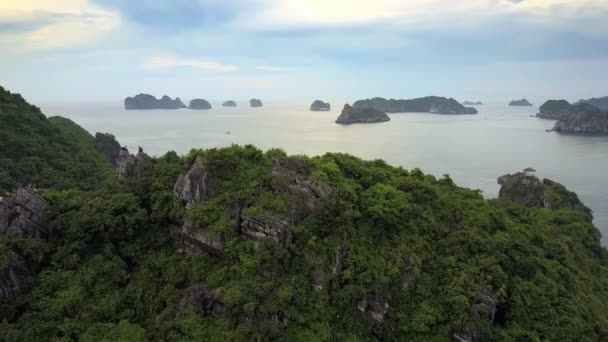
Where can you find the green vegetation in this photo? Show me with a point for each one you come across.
(430, 249)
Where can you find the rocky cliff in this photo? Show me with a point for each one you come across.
(255, 103)
(320, 106)
(147, 101)
(429, 104)
(352, 115)
(21, 217)
(108, 146)
(588, 123)
(130, 166)
(199, 104)
(528, 190)
(520, 103)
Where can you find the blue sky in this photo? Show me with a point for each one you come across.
(299, 50)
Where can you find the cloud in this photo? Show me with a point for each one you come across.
(43, 25)
(169, 62)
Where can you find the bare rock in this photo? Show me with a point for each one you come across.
(195, 241)
(196, 185)
(22, 215)
(131, 166)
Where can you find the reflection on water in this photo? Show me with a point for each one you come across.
(473, 149)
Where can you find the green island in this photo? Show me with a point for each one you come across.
(238, 244)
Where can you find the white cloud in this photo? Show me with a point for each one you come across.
(168, 62)
(54, 23)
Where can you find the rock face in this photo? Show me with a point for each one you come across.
(554, 109)
(600, 102)
(520, 103)
(196, 185)
(255, 103)
(469, 103)
(320, 106)
(131, 166)
(526, 189)
(106, 144)
(199, 185)
(21, 215)
(587, 120)
(229, 103)
(485, 309)
(199, 104)
(352, 115)
(147, 101)
(429, 104)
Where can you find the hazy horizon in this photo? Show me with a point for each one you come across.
(296, 50)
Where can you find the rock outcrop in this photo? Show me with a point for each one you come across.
(255, 103)
(199, 104)
(320, 106)
(429, 104)
(376, 307)
(22, 216)
(293, 182)
(352, 115)
(485, 309)
(196, 185)
(528, 190)
(600, 102)
(108, 146)
(588, 123)
(130, 166)
(554, 109)
(147, 101)
(229, 103)
(520, 103)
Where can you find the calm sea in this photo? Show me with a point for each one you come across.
(473, 149)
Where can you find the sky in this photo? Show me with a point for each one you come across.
(300, 50)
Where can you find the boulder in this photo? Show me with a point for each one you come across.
(229, 103)
(352, 115)
(520, 103)
(320, 106)
(147, 101)
(199, 104)
(106, 144)
(429, 104)
(130, 166)
(255, 103)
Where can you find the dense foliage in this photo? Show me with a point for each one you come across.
(53, 152)
(427, 247)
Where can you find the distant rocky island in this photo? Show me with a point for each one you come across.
(429, 104)
(352, 115)
(470, 103)
(320, 106)
(600, 102)
(520, 103)
(579, 118)
(147, 101)
(229, 103)
(255, 103)
(199, 104)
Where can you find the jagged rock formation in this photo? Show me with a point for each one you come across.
(376, 307)
(229, 103)
(21, 216)
(470, 103)
(528, 190)
(520, 103)
(255, 103)
(600, 102)
(351, 115)
(199, 185)
(199, 104)
(147, 101)
(131, 166)
(108, 146)
(320, 106)
(429, 104)
(590, 123)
